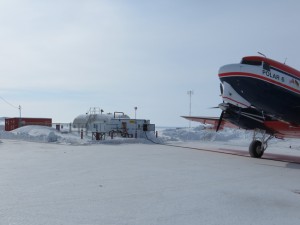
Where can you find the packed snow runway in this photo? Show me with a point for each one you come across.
(142, 183)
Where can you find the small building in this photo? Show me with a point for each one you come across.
(16, 122)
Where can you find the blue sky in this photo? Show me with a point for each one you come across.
(58, 58)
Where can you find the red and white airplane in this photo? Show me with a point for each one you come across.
(259, 94)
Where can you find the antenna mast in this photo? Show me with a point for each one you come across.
(262, 54)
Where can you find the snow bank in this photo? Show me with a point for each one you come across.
(51, 135)
(41, 134)
(201, 133)
(227, 136)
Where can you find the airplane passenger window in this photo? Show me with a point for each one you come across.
(253, 63)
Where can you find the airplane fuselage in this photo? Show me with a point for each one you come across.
(269, 86)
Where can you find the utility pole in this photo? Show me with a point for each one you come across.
(190, 93)
(20, 111)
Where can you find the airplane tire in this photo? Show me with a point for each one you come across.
(255, 149)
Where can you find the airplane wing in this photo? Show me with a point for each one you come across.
(205, 120)
(283, 129)
(210, 120)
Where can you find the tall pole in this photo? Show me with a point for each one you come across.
(20, 111)
(20, 114)
(135, 108)
(190, 93)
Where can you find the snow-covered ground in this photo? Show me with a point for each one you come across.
(48, 177)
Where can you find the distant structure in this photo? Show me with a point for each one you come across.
(116, 124)
(16, 122)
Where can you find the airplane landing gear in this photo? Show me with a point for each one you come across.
(255, 149)
(259, 143)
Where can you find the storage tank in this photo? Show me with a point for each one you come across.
(97, 122)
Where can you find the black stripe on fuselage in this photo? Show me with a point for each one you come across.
(286, 73)
(268, 97)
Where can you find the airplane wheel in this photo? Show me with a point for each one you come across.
(255, 149)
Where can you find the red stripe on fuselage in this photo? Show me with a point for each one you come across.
(252, 75)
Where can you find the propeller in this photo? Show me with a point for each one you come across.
(220, 121)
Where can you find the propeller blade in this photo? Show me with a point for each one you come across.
(215, 107)
(220, 121)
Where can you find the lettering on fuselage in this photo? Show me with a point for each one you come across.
(273, 76)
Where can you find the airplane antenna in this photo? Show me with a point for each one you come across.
(285, 60)
(262, 54)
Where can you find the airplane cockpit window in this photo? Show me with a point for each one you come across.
(266, 66)
(250, 62)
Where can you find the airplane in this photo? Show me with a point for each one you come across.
(262, 95)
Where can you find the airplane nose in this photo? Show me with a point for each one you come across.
(229, 69)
